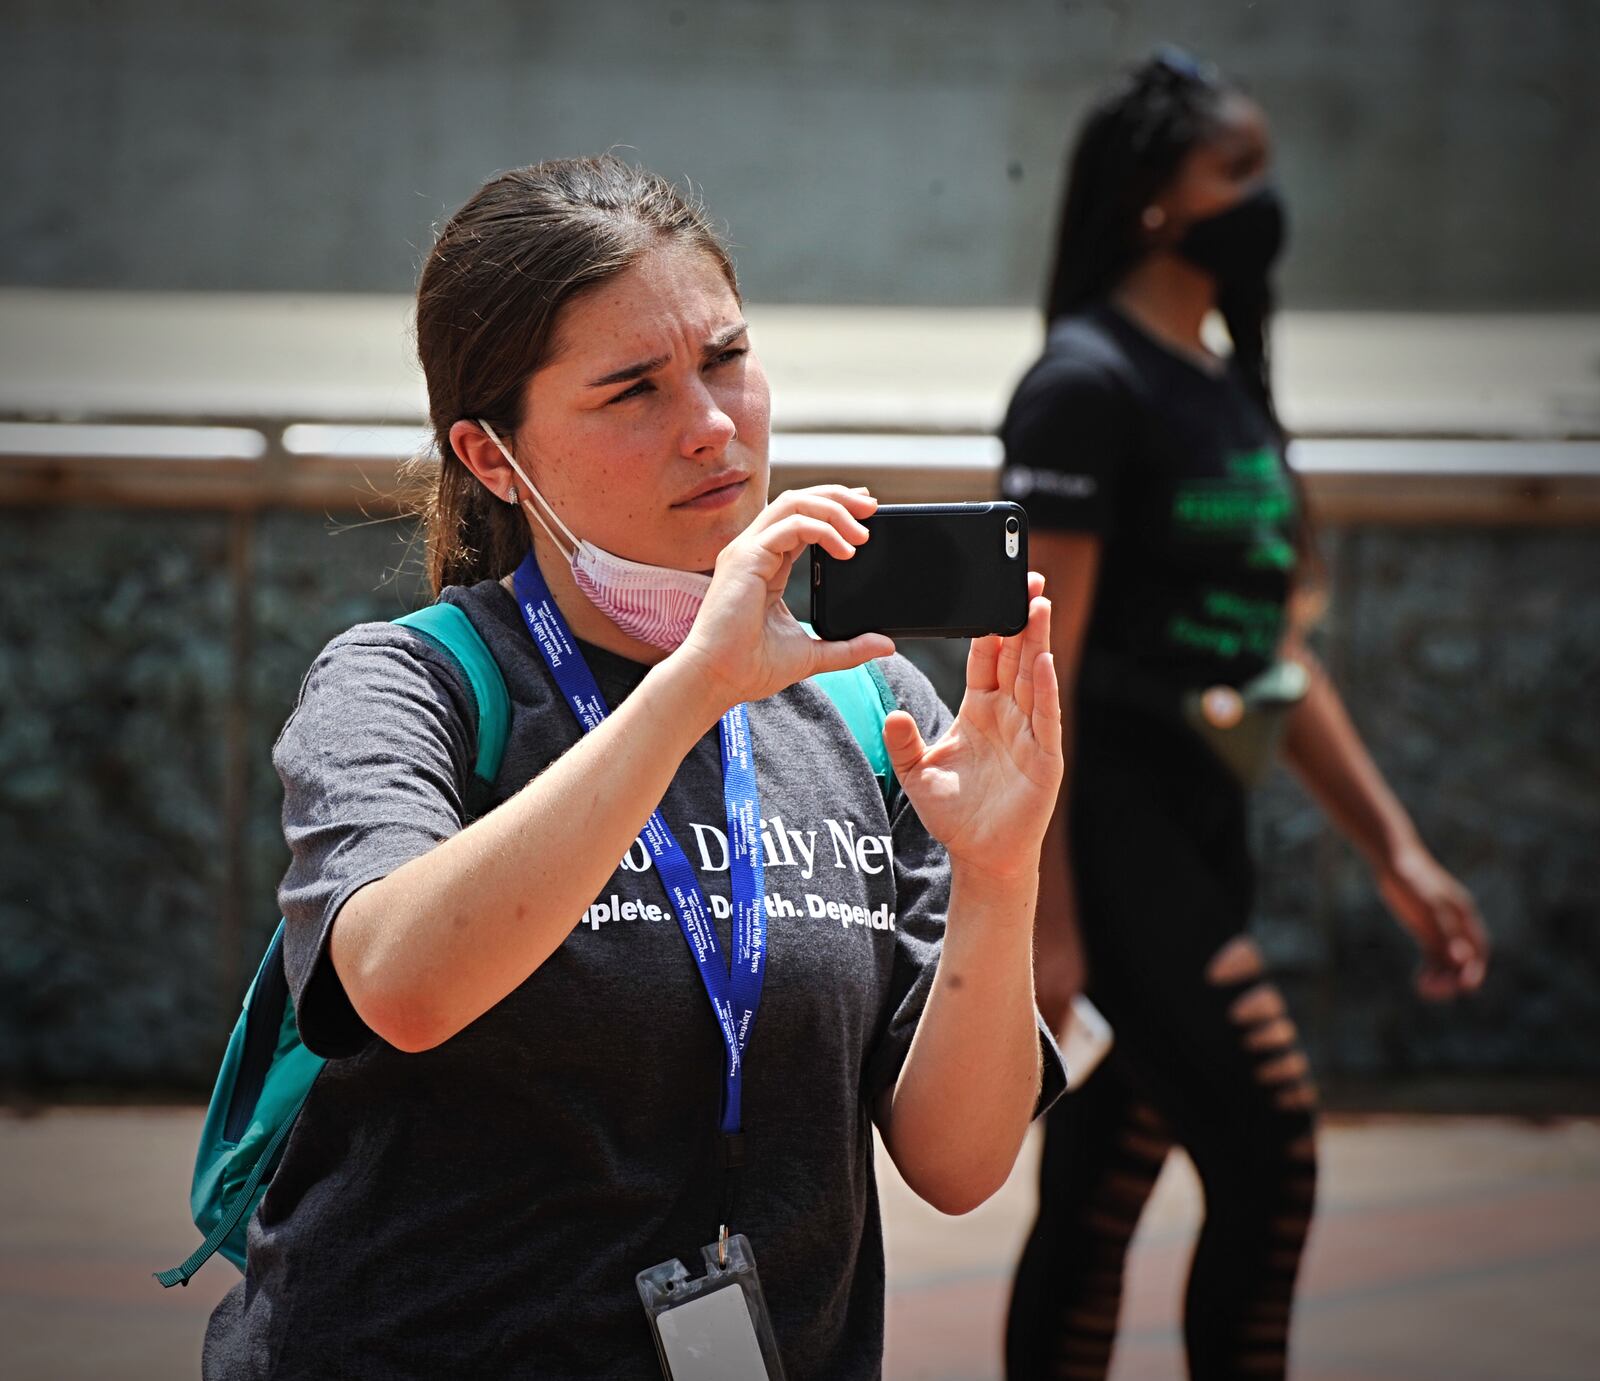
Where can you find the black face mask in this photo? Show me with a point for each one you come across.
(1237, 246)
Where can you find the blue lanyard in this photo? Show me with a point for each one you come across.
(734, 989)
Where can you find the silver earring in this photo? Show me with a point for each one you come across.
(1153, 218)
(511, 494)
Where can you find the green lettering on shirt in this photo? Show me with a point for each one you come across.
(1232, 508)
(1256, 494)
(1225, 604)
(1273, 554)
(1254, 465)
(1189, 633)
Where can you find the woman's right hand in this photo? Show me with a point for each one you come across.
(1443, 919)
(745, 644)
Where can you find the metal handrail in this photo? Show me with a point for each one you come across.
(356, 467)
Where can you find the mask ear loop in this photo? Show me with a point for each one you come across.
(571, 545)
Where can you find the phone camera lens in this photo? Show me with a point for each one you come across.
(1012, 525)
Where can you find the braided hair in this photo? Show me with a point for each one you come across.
(1129, 150)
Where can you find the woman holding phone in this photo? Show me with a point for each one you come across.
(530, 1098)
(1172, 535)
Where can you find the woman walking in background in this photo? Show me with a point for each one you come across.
(1173, 540)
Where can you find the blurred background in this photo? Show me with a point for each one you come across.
(213, 224)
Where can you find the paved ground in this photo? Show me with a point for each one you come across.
(1459, 1248)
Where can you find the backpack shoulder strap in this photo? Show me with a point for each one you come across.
(864, 698)
(861, 694)
(450, 628)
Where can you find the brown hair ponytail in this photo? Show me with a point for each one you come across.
(525, 245)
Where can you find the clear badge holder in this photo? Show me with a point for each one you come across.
(714, 1328)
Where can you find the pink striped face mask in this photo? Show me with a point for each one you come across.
(654, 604)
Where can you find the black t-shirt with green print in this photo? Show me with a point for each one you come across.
(1181, 473)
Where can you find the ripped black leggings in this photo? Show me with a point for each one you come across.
(1205, 1057)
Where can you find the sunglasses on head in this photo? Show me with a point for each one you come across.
(1184, 66)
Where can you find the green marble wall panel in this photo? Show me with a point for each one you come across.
(115, 677)
(1470, 660)
(148, 660)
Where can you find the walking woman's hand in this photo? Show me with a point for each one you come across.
(745, 644)
(1443, 920)
(986, 789)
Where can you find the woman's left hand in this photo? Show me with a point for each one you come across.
(986, 789)
(1443, 920)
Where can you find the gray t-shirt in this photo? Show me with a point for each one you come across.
(481, 1208)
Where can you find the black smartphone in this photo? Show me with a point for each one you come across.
(929, 570)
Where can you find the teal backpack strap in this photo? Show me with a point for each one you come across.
(242, 1205)
(449, 628)
(264, 1079)
(863, 697)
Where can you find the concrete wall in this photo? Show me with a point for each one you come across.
(148, 659)
(1437, 153)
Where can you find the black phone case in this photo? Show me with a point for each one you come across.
(937, 570)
